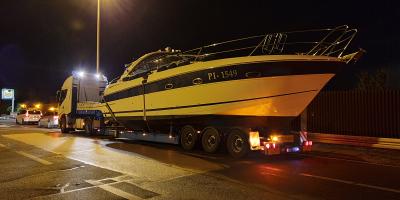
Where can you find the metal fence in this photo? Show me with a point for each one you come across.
(359, 113)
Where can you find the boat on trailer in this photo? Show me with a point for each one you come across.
(265, 83)
(227, 92)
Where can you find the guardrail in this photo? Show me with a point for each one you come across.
(386, 143)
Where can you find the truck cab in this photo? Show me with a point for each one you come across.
(79, 100)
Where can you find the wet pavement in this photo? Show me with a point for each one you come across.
(44, 164)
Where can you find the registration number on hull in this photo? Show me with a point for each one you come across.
(228, 74)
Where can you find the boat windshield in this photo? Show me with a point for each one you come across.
(147, 64)
(161, 61)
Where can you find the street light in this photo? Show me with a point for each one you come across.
(81, 74)
(98, 38)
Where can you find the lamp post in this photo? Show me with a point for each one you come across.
(98, 38)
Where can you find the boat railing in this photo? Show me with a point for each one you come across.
(327, 42)
(317, 42)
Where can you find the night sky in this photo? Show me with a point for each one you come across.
(43, 41)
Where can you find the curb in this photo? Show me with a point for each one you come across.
(385, 143)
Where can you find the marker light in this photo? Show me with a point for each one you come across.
(254, 138)
(38, 105)
(274, 139)
(52, 108)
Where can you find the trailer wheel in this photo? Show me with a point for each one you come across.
(88, 126)
(188, 137)
(210, 140)
(237, 143)
(63, 125)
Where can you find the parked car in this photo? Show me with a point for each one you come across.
(49, 120)
(27, 116)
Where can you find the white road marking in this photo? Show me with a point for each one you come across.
(4, 126)
(70, 169)
(37, 159)
(271, 174)
(118, 192)
(2, 145)
(110, 188)
(351, 183)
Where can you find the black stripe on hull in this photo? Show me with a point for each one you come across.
(228, 73)
(211, 104)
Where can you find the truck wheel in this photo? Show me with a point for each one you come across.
(237, 143)
(88, 126)
(210, 140)
(63, 125)
(188, 137)
(22, 122)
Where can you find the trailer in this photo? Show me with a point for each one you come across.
(81, 106)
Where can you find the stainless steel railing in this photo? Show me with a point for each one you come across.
(327, 42)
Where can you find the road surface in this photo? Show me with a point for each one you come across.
(40, 163)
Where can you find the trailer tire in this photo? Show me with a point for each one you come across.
(237, 143)
(188, 137)
(63, 125)
(210, 139)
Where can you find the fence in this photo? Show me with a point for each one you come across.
(359, 113)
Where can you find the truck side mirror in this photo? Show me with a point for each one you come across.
(58, 95)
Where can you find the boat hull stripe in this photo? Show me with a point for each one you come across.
(211, 104)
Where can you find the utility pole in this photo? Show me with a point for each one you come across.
(98, 38)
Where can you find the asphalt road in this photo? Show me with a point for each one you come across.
(44, 164)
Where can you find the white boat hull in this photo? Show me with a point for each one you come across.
(268, 96)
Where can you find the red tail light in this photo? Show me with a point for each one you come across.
(308, 143)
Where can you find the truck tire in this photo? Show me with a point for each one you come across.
(22, 122)
(188, 137)
(237, 143)
(89, 126)
(210, 140)
(63, 125)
